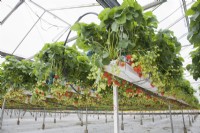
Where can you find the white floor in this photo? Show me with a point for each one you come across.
(71, 124)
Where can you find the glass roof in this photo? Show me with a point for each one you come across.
(37, 22)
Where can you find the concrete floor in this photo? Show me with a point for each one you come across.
(71, 124)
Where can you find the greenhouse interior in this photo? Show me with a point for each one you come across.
(99, 66)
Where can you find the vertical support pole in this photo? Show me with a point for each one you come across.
(23, 114)
(60, 114)
(141, 122)
(122, 124)
(43, 124)
(106, 116)
(11, 113)
(115, 109)
(149, 113)
(36, 116)
(2, 112)
(190, 124)
(153, 116)
(98, 115)
(170, 114)
(55, 117)
(81, 117)
(184, 127)
(86, 129)
(18, 117)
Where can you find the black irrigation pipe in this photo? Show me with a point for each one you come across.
(66, 40)
(77, 22)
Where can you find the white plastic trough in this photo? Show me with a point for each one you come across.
(127, 73)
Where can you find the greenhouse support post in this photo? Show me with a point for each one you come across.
(86, 122)
(184, 127)
(171, 121)
(115, 109)
(43, 123)
(2, 112)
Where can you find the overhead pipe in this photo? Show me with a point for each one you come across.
(158, 2)
(12, 11)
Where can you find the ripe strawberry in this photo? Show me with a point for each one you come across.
(122, 64)
(105, 74)
(128, 57)
(116, 83)
(109, 82)
(124, 82)
(56, 76)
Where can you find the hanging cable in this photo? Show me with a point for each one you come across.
(61, 34)
(179, 19)
(49, 12)
(33, 21)
(74, 7)
(78, 21)
(57, 26)
(174, 12)
(27, 33)
(187, 45)
(185, 34)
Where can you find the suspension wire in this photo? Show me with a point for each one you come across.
(52, 25)
(175, 22)
(175, 11)
(182, 36)
(74, 7)
(57, 26)
(33, 21)
(188, 45)
(156, 7)
(49, 12)
(61, 34)
(27, 33)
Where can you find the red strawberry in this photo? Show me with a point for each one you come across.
(129, 90)
(128, 57)
(148, 97)
(122, 64)
(140, 75)
(70, 94)
(116, 83)
(56, 76)
(109, 82)
(67, 94)
(135, 69)
(139, 68)
(138, 90)
(124, 82)
(105, 74)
